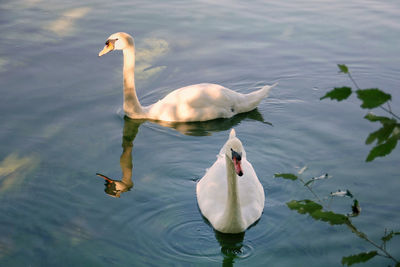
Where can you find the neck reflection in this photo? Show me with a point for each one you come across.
(231, 247)
(113, 187)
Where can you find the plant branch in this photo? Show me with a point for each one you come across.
(312, 191)
(354, 229)
(390, 111)
(354, 81)
(365, 237)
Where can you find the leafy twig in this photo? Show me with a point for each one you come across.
(320, 212)
(388, 135)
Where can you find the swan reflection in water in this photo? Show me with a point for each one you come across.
(131, 127)
(231, 246)
(204, 128)
(115, 188)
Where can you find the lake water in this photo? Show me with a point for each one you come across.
(61, 123)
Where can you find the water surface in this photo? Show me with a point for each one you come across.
(61, 123)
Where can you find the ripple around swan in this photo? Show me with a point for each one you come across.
(181, 235)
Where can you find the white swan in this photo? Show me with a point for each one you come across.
(199, 102)
(231, 203)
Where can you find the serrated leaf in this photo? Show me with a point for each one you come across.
(382, 149)
(338, 93)
(304, 206)
(330, 217)
(373, 118)
(289, 176)
(372, 98)
(355, 208)
(389, 236)
(362, 257)
(343, 68)
(382, 134)
(315, 211)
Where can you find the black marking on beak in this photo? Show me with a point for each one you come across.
(108, 41)
(236, 155)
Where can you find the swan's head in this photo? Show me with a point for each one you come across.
(117, 41)
(113, 187)
(234, 151)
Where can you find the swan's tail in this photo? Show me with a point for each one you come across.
(252, 99)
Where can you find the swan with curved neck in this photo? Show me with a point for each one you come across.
(198, 102)
(230, 195)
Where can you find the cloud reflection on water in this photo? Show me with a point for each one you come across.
(14, 169)
(66, 24)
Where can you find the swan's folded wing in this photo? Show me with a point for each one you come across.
(251, 193)
(198, 102)
(211, 190)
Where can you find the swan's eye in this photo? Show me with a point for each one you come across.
(107, 42)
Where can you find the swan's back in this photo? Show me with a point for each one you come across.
(199, 102)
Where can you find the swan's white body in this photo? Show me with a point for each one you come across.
(230, 203)
(199, 102)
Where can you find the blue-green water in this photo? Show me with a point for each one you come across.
(61, 123)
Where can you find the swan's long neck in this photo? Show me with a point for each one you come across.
(232, 216)
(132, 105)
(126, 165)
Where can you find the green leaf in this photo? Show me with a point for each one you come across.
(343, 68)
(362, 257)
(338, 93)
(315, 211)
(330, 217)
(382, 149)
(289, 176)
(304, 206)
(389, 236)
(373, 118)
(382, 134)
(372, 98)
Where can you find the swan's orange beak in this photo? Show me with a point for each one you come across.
(109, 47)
(237, 162)
(238, 166)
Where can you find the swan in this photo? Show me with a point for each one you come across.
(230, 195)
(198, 102)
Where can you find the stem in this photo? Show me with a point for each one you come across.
(309, 188)
(365, 237)
(390, 112)
(356, 231)
(384, 242)
(390, 108)
(351, 78)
